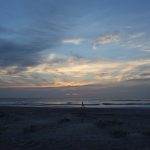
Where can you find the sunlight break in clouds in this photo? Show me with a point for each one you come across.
(147, 51)
(75, 41)
(59, 71)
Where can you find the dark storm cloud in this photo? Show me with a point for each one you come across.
(25, 49)
(13, 53)
(37, 27)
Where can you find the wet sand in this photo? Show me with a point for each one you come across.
(29, 128)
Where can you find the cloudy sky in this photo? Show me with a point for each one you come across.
(75, 47)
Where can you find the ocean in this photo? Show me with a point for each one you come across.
(74, 102)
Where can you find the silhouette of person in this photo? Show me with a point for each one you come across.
(82, 111)
(82, 105)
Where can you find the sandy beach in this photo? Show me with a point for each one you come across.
(29, 128)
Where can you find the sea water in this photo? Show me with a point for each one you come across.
(74, 102)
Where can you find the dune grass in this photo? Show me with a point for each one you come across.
(64, 120)
(146, 133)
(108, 123)
(119, 133)
(30, 129)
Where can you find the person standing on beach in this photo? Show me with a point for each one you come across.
(82, 111)
(82, 105)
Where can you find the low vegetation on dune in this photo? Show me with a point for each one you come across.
(119, 133)
(64, 120)
(108, 123)
(30, 129)
(146, 133)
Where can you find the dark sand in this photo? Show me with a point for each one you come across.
(73, 129)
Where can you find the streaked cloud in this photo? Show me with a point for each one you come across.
(106, 39)
(137, 35)
(57, 71)
(75, 41)
(146, 51)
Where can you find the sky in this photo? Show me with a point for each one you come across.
(98, 48)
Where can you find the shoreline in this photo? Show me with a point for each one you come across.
(87, 106)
